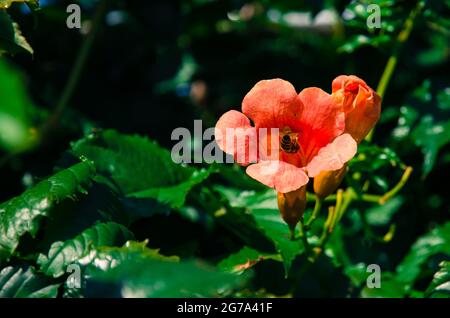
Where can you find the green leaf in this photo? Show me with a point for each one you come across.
(382, 214)
(357, 273)
(139, 168)
(107, 257)
(264, 209)
(245, 259)
(435, 242)
(174, 196)
(15, 282)
(62, 254)
(390, 288)
(371, 158)
(360, 40)
(249, 199)
(274, 227)
(139, 277)
(408, 116)
(184, 75)
(5, 4)
(236, 177)
(440, 286)
(431, 137)
(11, 39)
(23, 214)
(443, 99)
(16, 111)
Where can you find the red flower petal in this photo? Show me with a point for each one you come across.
(333, 156)
(279, 175)
(236, 125)
(347, 82)
(321, 121)
(272, 103)
(361, 104)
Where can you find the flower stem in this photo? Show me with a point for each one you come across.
(292, 233)
(304, 237)
(392, 61)
(314, 214)
(397, 187)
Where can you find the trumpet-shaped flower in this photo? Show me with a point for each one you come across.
(362, 107)
(305, 134)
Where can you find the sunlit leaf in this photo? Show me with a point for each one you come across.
(440, 286)
(382, 214)
(443, 99)
(16, 282)
(11, 39)
(389, 288)
(435, 242)
(16, 111)
(139, 277)
(173, 196)
(264, 209)
(359, 41)
(62, 254)
(372, 158)
(24, 214)
(245, 259)
(5, 4)
(139, 168)
(107, 257)
(431, 137)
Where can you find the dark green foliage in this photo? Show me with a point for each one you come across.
(16, 282)
(24, 214)
(90, 191)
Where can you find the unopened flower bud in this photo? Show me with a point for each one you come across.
(326, 182)
(361, 104)
(292, 206)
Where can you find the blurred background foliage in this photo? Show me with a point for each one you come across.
(138, 222)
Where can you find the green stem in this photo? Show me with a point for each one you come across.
(77, 69)
(304, 238)
(398, 186)
(314, 214)
(392, 61)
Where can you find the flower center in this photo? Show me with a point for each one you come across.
(289, 141)
(352, 88)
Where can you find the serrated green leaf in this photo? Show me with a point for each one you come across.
(245, 259)
(11, 39)
(142, 278)
(431, 137)
(264, 209)
(173, 196)
(107, 257)
(15, 282)
(23, 214)
(139, 168)
(440, 286)
(435, 242)
(276, 229)
(62, 254)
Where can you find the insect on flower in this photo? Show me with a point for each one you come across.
(289, 141)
